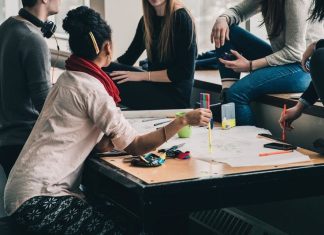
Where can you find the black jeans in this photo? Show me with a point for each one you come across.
(317, 72)
(8, 156)
(147, 95)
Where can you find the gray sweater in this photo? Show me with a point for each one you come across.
(24, 79)
(290, 45)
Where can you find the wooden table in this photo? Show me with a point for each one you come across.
(162, 197)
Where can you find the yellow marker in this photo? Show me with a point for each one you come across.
(209, 138)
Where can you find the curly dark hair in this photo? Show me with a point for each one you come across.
(79, 23)
(29, 3)
(317, 13)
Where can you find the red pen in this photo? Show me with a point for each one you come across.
(274, 153)
(283, 137)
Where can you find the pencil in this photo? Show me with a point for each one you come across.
(283, 137)
(209, 138)
(160, 123)
(274, 153)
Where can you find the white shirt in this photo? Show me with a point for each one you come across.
(76, 114)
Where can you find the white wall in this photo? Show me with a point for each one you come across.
(123, 17)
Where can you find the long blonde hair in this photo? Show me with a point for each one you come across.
(166, 37)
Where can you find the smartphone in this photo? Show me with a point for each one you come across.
(280, 146)
(229, 56)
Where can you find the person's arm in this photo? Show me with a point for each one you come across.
(35, 59)
(235, 15)
(136, 47)
(120, 135)
(297, 13)
(185, 49)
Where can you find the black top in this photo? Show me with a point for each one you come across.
(310, 95)
(181, 66)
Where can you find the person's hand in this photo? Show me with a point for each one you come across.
(308, 53)
(291, 115)
(220, 32)
(127, 76)
(104, 145)
(198, 117)
(241, 64)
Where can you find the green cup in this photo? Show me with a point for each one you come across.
(185, 132)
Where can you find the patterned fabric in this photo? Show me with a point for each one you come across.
(65, 215)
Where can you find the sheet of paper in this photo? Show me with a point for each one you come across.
(153, 113)
(239, 146)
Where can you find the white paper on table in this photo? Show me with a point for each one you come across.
(237, 146)
(153, 113)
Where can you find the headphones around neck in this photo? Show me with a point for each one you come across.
(48, 27)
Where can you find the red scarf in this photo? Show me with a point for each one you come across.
(78, 64)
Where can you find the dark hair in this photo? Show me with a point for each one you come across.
(317, 11)
(273, 12)
(79, 23)
(28, 3)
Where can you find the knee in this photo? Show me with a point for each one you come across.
(236, 95)
(317, 59)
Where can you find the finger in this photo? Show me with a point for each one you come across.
(119, 77)
(212, 35)
(122, 81)
(205, 119)
(217, 38)
(227, 34)
(226, 62)
(238, 55)
(222, 37)
(117, 73)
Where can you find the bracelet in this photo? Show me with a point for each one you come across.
(149, 76)
(165, 134)
(251, 66)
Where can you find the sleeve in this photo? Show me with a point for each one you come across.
(104, 113)
(136, 48)
(297, 13)
(310, 96)
(185, 49)
(35, 60)
(243, 11)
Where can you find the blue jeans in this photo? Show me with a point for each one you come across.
(289, 78)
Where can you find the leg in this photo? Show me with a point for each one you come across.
(317, 72)
(65, 215)
(270, 80)
(149, 95)
(250, 46)
(8, 156)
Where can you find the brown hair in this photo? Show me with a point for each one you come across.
(273, 12)
(166, 37)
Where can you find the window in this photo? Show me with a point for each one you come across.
(205, 13)
(2, 11)
(66, 6)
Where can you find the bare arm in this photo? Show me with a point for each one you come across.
(148, 142)
(128, 76)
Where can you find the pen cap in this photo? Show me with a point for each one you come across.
(228, 116)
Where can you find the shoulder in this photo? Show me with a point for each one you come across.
(81, 83)
(182, 15)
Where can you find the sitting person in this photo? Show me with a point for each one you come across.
(42, 193)
(273, 69)
(315, 51)
(167, 33)
(24, 75)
